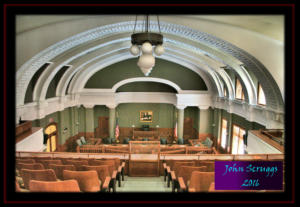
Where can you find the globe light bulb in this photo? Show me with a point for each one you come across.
(146, 61)
(135, 50)
(147, 48)
(159, 50)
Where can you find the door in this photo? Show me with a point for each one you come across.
(103, 127)
(188, 128)
(51, 131)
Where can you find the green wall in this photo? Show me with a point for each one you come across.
(185, 78)
(146, 87)
(129, 114)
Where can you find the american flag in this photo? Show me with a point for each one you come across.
(117, 132)
(175, 130)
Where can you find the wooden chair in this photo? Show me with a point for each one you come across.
(103, 175)
(174, 172)
(58, 169)
(77, 163)
(170, 168)
(58, 186)
(209, 164)
(30, 166)
(42, 175)
(120, 167)
(87, 180)
(28, 161)
(184, 176)
(111, 168)
(46, 163)
(200, 181)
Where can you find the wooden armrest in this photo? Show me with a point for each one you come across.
(168, 169)
(123, 164)
(114, 175)
(192, 190)
(165, 165)
(173, 175)
(106, 183)
(181, 184)
(119, 169)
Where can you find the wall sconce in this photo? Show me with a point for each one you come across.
(157, 126)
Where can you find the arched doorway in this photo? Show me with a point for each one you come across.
(51, 131)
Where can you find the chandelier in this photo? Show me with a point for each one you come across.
(145, 41)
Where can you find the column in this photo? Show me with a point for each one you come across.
(180, 121)
(112, 121)
(89, 118)
(229, 130)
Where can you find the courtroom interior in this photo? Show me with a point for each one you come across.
(100, 111)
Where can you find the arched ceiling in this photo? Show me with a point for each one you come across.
(91, 43)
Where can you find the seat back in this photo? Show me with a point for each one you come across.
(47, 162)
(210, 165)
(102, 171)
(77, 163)
(30, 166)
(110, 163)
(58, 169)
(186, 171)
(178, 164)
(82, 139)
(58, 186)
(78, 141)
(28, 161)
(201, 181)
(42, 175)
(87, 180)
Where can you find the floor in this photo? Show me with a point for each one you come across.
(143, 184)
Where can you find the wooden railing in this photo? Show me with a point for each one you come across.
(162, 156)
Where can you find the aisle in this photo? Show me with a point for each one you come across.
(144, 184)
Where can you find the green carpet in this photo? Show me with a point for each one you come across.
(143, 184)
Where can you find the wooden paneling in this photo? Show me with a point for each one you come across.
(143, 168)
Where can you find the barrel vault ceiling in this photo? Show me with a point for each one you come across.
(248, 46)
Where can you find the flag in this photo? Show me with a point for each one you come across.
(175, 130)
(117, 132)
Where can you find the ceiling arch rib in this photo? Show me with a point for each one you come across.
(42, 84)
(228, 83)
(146, 79)
(28, 69)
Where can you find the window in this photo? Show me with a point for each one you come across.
(224, 133)
(261, 99)
(237, 140)
(239, 93)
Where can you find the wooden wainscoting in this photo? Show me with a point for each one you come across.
(144, 168)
